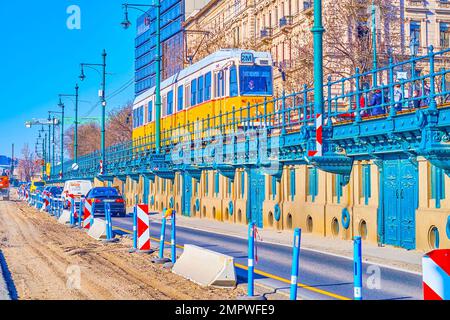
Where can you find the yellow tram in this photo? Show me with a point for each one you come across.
(210, 88)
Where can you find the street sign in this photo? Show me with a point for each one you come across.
(247, 57)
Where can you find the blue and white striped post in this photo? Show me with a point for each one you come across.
(173, 241)
(295, 263)
(108, 221)
(135, 236)
(251, 259)
(72, 211)
(80, 214)
(163, 235)
(357, 268)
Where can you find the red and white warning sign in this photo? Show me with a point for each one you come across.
(143, 227)
(436, 275)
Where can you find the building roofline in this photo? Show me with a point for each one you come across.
(200, 12)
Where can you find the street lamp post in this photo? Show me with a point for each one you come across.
(61, 105)
(318, 31)
(103, 101)
(414, 48)
(75, 136)
(126, 24)
(374, 44)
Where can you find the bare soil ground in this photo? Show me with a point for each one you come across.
(44, 258)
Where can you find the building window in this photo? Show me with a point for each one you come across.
(180, 98)
(444, 35)
(437, 185)
(206, 184)
(366, 183)
(414, 30)
(312, 185)
(230, 187)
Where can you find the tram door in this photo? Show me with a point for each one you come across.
(186, 195)
(400, 193)
(256, 196)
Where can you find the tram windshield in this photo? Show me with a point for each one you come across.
(256, 80)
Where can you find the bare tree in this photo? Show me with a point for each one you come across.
(29, 164)
(118, 129)
(120, 124)
(88, 139)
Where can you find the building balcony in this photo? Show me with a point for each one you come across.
(286, 23)
(266, 34)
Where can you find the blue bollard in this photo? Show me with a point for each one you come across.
(108, 221)
(163, 236)
(135, 236)
(92, 214)
(72, 211)
(295, 263)
(80, 215)
(357, 253)
(251, 259)
(174, 237)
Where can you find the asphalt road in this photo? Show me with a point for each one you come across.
(326, 276)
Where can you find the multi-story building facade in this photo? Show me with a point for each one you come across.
(397, 199)
(283, 28)
(173, 14)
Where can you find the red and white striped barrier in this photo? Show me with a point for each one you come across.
(319, 139)
(143, 228)
(436, 275)
(88, 214)
(101, 166)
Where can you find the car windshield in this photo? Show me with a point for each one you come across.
(104, 192)
(256, 80)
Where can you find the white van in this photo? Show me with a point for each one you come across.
(76, 188)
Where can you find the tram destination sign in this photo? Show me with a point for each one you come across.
(247, 57)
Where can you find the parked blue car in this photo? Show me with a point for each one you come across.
(100, 196)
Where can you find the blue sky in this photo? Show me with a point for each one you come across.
(40, 57)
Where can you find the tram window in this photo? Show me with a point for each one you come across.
(194, 92)
(256, 80)
(233, 82)
(180, 98)
(200, 90)
(208, 86)
(187, 93)
(170, 102)
(150, 111)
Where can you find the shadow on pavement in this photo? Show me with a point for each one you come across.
(10, 286)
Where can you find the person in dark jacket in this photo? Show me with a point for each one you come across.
(375, 103)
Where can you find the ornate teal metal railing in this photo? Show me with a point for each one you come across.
(401, 114)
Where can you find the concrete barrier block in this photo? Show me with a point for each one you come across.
(65, 217)
(98, 229)
(206, 268)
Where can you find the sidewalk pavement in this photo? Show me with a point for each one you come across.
(392, 257)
